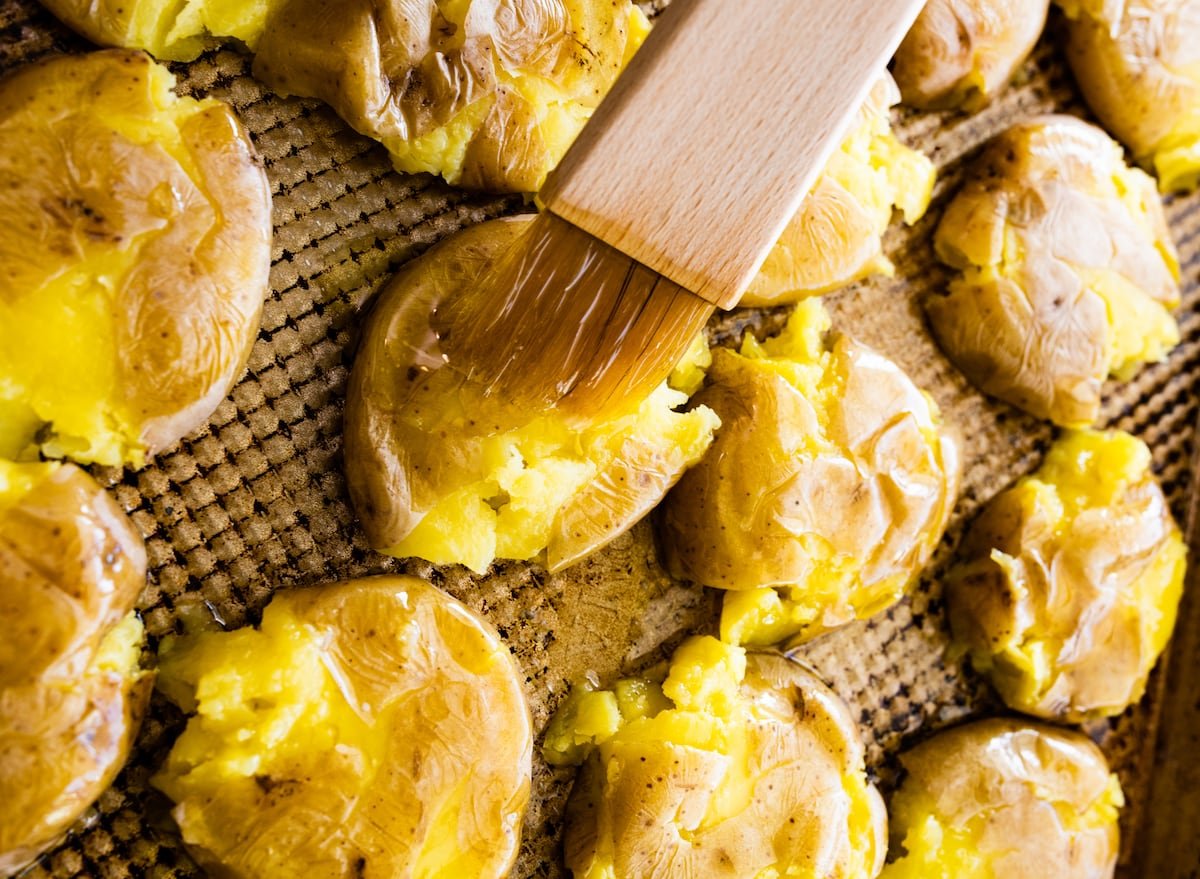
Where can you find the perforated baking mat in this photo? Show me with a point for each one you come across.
(257, 502)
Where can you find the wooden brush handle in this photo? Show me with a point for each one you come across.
(707, 144)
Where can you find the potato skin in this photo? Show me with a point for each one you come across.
(381, 730)
(837, 493)
(640, 805)
(1137, 63)
(153, 212)
(1067, 270)
(487, 94)
(1010, 799)
(1067, 588)
(417, 432)
(71, 567)
(960, 53)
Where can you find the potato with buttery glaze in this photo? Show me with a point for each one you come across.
(1138, 65)
(439, 470)
(736, 766)
(960, 53)
(837, 236)
(487, 94)
(1066, 270)
(371, 728)
(133, 258)
(997, 799)
(1069, 582)
(71, 689)
(169, 29)
(826, 490)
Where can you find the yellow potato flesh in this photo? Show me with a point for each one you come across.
(1067, 270)
(371, 728)
(135, 261)
(1002, 801)
(1070, 581)
(837, 236)
(1138, 65)
(439, 471)
(71, 687)
(715, 772)
(826, 490)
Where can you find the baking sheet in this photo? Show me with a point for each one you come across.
(257, 501)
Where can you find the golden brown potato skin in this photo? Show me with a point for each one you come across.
(74, 189)
(71, 567)
(395, 71)
(959, 53)
(1034, 231)
(1137, 63)
(1020, 786)
(801, 746)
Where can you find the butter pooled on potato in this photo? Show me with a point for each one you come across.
(735, 766)
(1070, 580)
(373, 728)
(826, 490)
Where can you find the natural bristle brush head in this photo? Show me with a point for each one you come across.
(564, 321)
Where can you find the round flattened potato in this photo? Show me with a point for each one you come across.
(488, 94)
(1066, 270)
(133, 259)
(737, 766)
(437, 469)
(1069, 582)
(166, 29)
(71, 690)
(826, 490)
(1138, 65)
(371, 728)
(960, 53)
(998, 799)
(836, 238)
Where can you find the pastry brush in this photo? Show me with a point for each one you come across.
(670, 199)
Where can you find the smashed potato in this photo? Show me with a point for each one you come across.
(72, 692)
(1067, 270)
(837, 236)
(1138, 65)
(1069, 583)
(438, 470)
(168, 29)
(134, 258)
(960, 53)
(371, 728)
(997, 799)
(736, 766)
(826, 490)
(488, 95)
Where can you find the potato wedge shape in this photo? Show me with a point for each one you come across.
(1069, 581)
(133, 258)
(1066, 270)
(826, 490)
(736, 766)
(960, 53)
(1000, 799)
(438, 470)
(72, 693)
(371, 728)
(1137, 63)
(837, 236)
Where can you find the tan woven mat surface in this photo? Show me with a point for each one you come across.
(257, 501)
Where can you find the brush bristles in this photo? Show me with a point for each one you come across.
(565, 321)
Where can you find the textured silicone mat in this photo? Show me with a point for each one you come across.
(257, 501)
